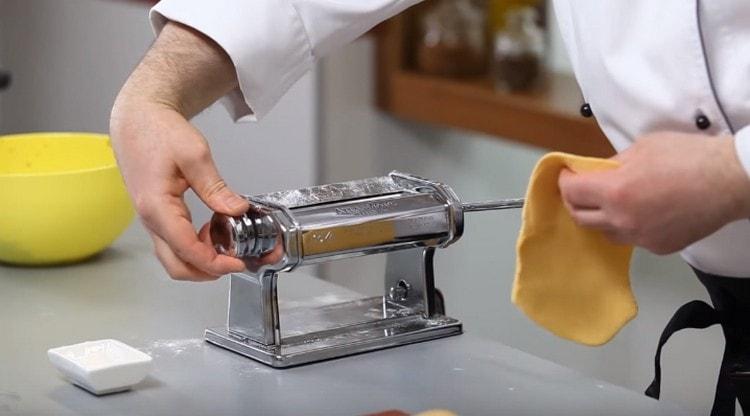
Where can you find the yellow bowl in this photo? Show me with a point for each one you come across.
(62, 198)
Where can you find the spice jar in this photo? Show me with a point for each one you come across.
(518, 51)
(452, 39)
(497, 11)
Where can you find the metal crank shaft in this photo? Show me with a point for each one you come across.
(493, 205)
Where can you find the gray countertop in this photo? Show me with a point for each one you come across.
(124, 294)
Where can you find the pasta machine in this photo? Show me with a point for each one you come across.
(402, 215)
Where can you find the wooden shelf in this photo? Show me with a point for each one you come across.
(548, 117)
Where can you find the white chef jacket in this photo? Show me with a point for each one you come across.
(642, 65)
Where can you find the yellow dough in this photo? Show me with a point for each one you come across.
(570, 280)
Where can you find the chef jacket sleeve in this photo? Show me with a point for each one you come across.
(742, 145)
(272, 43)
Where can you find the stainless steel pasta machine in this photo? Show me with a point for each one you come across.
(402, 215)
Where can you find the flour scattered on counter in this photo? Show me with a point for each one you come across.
(173, 347)
(253, 369)
(323, 300)
(6, 396)
(9, 395)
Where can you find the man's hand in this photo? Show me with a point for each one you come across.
(162, 155)
(671, 190)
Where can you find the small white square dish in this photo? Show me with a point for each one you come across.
(101, 367)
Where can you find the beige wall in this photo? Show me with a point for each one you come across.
(70, 57)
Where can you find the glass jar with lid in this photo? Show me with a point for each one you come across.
(518, 51)
(452, 39)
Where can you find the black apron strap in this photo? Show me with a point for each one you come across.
(695, 314)
(725, 399)
(731, 299)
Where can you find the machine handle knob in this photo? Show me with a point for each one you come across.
(251, 235)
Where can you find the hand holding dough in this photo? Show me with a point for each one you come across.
(570, 280)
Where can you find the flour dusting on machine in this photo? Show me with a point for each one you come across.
(405, 216)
